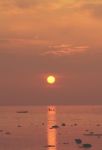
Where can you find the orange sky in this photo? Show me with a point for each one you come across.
(61, 37)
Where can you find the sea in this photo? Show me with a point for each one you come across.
(51, 127)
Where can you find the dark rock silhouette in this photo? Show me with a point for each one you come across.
(22, 112)
(1, 130)
(63, 124)
(87, 145)
(8, 133)
(78, 141)
(75, 124)
(98, 125)
(19, 126)
(50, 146)
(54, 127)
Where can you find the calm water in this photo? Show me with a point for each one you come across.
(33, 130)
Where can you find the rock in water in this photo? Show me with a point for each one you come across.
(87, 145)
(78, 141)
(63, 124)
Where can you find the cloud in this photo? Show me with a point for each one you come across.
(25, 4)
(59, 7)
(63, 50)
(94, 8)
(29, 3)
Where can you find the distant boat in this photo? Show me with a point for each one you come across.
(22, 112)
(51, 108)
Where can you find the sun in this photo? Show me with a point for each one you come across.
(51, 79)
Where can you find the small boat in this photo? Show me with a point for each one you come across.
(22, 112)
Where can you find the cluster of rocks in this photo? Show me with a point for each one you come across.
(85, 145)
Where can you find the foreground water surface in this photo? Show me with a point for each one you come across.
(50, 127)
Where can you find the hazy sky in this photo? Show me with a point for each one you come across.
(61, 37)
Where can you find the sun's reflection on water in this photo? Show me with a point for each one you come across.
(52, 133)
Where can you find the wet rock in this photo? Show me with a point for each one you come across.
(43, 124)
(75, 124)
(1, 130)
(63, 124)
(78, 141)
(87, 145)
(98, 125)
(19, 126)
(7, 133)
